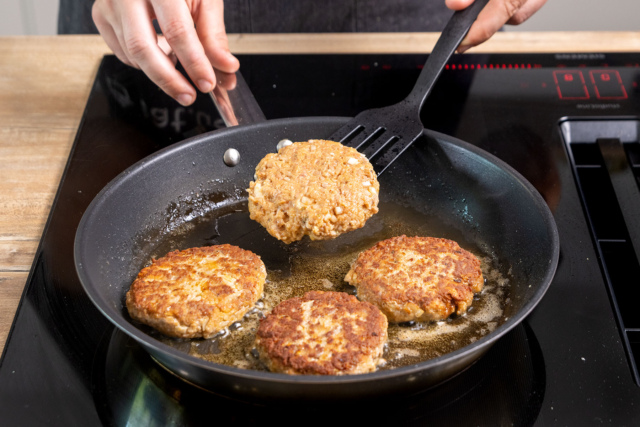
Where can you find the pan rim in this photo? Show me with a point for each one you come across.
(153, 345)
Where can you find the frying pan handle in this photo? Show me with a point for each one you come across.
(457, 27)
(237, 106)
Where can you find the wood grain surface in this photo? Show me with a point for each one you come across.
(45, 82)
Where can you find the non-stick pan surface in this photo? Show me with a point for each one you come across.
(465, 193)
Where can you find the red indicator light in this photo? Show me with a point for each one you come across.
(570, 84)
(421, 66)
(365, 67)
(386, 67)
(608, 84)
(489, 66)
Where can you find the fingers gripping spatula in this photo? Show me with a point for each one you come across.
(382, 134)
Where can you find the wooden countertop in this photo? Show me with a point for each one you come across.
(45, 82)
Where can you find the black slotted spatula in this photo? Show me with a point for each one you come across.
(397, 126)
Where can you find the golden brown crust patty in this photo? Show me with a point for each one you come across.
(322, 333)
(417, 278)
(317, 188)
(198, 291)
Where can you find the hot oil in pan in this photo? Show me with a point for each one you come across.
(322, 265)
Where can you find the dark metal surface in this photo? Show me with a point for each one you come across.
(505, 216)
(237, 106)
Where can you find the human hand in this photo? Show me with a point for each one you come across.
(193, 33)
(495, 14)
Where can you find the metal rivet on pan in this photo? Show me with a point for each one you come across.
(231, 157)
(283, 143)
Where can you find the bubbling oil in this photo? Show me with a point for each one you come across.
(308, 265)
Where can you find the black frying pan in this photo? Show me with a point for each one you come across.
(456, 189)
(187, 196)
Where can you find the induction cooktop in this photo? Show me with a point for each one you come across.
(567, 122)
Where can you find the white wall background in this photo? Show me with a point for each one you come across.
(26, 17)
(584, 15)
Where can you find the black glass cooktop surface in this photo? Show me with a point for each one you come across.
(568, 123)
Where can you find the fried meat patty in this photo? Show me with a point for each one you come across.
(317, 188)
(322, 333)
(417, 278)
(198, 291)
